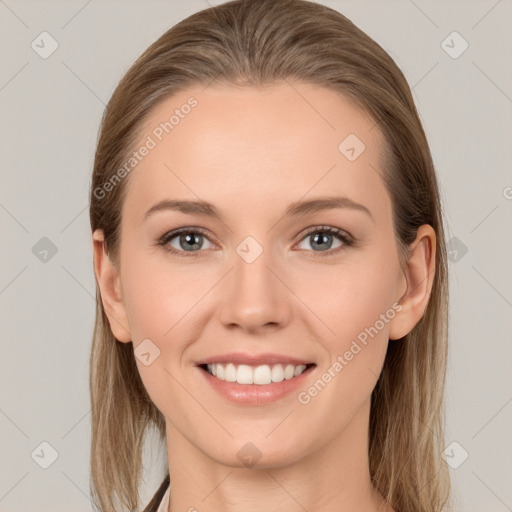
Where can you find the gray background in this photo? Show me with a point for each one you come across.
(51, 109)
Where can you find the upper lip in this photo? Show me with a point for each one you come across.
(253, 359)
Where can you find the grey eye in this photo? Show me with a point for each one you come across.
(188, 241)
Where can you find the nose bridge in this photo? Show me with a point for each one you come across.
(255, 296)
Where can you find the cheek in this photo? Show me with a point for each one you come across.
(365, 308)
(158, 295)
(163, 301)
(350, 297)
(158, 301)
(356, 305)
(355, 302)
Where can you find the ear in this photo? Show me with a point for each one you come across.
(109, 284)
(419, 277)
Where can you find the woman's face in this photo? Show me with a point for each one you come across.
(262, 277)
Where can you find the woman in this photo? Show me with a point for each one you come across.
(281, 374)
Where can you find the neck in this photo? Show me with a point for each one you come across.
(333, 477)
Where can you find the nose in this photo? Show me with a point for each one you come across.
(254, 296)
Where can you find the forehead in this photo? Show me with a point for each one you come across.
(245, 148)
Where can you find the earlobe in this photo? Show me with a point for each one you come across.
(108, 281)
(419, 277)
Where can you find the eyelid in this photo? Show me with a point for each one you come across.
(344, 236)
(330, 229)
(173, 233)
(347, 240)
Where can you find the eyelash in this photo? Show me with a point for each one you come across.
(343, 236)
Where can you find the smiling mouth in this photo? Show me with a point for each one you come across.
(261, 375)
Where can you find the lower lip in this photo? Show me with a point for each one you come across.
(255, 394)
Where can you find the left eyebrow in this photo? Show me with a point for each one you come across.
(295, 209)
(325, 203)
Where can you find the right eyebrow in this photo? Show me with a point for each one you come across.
(188, 207)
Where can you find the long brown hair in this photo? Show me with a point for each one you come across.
(256, 42)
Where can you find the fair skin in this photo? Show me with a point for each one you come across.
(251, 152)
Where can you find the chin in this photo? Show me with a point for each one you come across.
(257, 454)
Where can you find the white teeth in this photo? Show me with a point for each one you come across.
(277, 373)
(289, 371)
(298, 370)
(244, 374)
(230, 373)
(261, 375)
